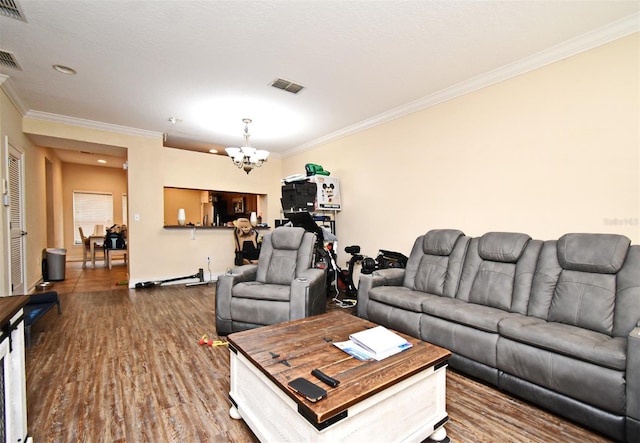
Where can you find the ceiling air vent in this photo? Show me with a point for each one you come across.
(7, 59)
(11, 9)
(287, 85)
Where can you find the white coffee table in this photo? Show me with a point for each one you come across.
(401, 398)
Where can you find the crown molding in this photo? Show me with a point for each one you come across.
(598, 37)
(9, 88)
(12, 93)
(90, 124)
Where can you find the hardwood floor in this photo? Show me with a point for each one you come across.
(91, 279)
(123, 365)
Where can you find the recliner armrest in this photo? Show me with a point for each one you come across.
(308, 294)
(633, 373)
(224, 288)
(314, 275)
(243, 273)
(381, 277)
(228, 280)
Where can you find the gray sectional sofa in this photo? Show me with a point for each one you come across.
(554, 322)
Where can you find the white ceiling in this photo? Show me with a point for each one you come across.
(210, 63)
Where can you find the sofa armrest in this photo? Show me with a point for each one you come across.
(224, 288)
(392, 276)
(633, 373)
(308, 294)
(381, 277)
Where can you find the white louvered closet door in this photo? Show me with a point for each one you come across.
(16, 218)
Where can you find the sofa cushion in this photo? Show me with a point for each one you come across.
(256, 290)
(505, 247)
(258, 312)
(432, 274)
(285, 253)
(289, 238)
(598, 253)
(400, 297)
(490, 278)
(477, 316)
(440, 241)
(464, 341)
(585, 300)
(493, 285)
(434, 265)
(587, 385)
(281, 268)
(579, 343)
(494, 281)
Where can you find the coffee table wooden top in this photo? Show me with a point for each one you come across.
(9, 306)
(290, 350)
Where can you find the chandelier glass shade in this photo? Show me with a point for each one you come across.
(246, 157)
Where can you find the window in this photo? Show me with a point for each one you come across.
(91, 209)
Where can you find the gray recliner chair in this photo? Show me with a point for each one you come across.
(283, 286)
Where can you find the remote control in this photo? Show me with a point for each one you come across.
(324, 378)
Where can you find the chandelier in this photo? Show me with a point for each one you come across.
(246, 157)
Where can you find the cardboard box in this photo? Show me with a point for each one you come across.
(328, 192)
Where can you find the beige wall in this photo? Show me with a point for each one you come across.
(90, 179)
(181, 252)
(552, 151)
(57, 193)
(35, 196)
(155, 252)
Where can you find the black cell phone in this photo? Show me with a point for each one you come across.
(311, 391)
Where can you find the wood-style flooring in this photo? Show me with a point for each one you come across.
(124, 365)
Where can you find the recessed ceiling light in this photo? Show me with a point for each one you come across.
(213, 151)
(64, 69)
(102, 161)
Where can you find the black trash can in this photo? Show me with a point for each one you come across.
(55, 264)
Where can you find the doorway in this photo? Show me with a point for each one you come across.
(99, 172)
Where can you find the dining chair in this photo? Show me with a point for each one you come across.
(86, 248)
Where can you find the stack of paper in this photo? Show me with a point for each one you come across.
(375, 343)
